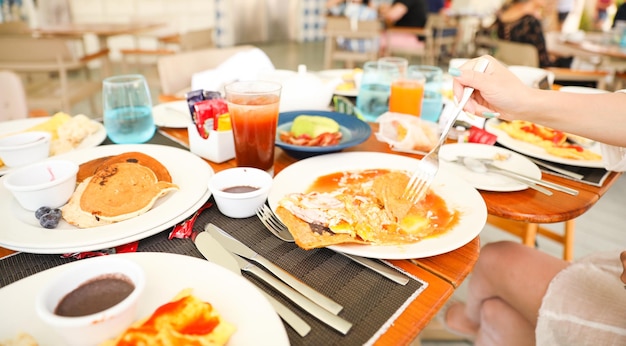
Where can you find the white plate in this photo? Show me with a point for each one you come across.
(21, 230)
(339, 73)
(172, 114)
(538, 152)
(582, 90)
(7, 127)
(489, 181)
(235, 298)
(458, 195)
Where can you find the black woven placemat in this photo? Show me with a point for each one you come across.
(371, 302)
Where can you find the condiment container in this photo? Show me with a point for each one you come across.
(239, 191)
(25, 148)
(94, 328)
(218, 147)
(50, 183)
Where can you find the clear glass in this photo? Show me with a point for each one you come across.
(127, 109)
(373, 97)
(401, 63)
(432, 103)
(253, 108)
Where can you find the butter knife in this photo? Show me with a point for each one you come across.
(532, 180)
(333, 321)
(215, 253)
(235, 246)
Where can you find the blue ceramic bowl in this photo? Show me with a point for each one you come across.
(353, 130)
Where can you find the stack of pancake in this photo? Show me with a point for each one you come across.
(116, 188)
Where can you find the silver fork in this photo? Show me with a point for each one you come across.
(427, 168)
(278, 228)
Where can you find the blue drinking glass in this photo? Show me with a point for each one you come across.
(373, 97)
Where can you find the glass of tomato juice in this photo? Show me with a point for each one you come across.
(253, 108)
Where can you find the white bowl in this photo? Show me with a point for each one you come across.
(100, 326)
(240, 204)
(24, 148)
(45, 184)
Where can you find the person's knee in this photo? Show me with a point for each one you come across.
(495, 252)
(491, 311)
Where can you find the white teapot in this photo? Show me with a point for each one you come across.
(302, 90)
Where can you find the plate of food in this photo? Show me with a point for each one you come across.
(79, 231)
(68, 132)
(307, 133)
(348, 86)
(321, 181)
(539, 142)
(236, 300)
(500, 157)
(172, 114)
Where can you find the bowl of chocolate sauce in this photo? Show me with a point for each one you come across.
(94, 300)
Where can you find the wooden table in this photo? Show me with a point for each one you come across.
(101, 30)
(444, 273)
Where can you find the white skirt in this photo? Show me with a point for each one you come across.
(585, 304)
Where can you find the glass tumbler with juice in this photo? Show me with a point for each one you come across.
(407, 93)
(127, 108)
(253, 108)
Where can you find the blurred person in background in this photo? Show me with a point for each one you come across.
(520, 21)
(357, 10)
(404, 13)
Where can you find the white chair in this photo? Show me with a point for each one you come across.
(343, 27)
(12, 97)
(47, 66)
(176, 70)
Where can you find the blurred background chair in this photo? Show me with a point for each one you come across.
(515, 53)
(339, 27)
(12, 97)
(439, 37)
(176, 70)
(166, 44)
(55, 78)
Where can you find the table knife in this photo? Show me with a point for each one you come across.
(382, 269)
(214, 252)
(554, 168)
(333, 321)
(235, 246)
(532, 180)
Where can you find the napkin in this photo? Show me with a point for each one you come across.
(406, 132)
(241, 66)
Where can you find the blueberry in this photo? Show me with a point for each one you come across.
(41, 211)
(50, 220)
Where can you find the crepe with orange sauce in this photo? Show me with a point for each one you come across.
(363, 207)
(552, 141)
(185, 320)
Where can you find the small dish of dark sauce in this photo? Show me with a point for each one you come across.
(240, 189)
(95, 295)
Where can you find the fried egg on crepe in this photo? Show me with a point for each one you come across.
(115, 193)
(360, 210)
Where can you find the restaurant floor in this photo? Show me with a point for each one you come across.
(599, 229)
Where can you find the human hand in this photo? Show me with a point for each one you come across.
(497, 90)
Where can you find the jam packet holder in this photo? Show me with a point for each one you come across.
(218, 147)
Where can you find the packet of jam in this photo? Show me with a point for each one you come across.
(478, 135)
(207, 114)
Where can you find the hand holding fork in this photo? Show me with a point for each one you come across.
(422, 178)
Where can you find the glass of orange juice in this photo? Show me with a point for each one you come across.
(407, 92)
(253, 108)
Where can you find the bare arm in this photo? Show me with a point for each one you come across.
(594, 116)
(391, 14)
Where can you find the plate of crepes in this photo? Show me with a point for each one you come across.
(107, 209)
(351, 202)
(199, 287)
(545, 143)
(68, 132)
(452, 159)
(307, 133)
(172, 114)
(348, 85)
